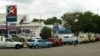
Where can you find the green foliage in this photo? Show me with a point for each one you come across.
(49, 20)
(46, 32)
(87, 21)
(18, 39)
(35, 20)
(69, 20)
(53, 20)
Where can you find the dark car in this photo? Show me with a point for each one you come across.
(97, 37)
(56, 41)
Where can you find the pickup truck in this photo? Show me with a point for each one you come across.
(8, 42)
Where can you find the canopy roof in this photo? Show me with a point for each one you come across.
(63, 31)
(3, 27)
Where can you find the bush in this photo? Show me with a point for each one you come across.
(45, 32)
(18, 39)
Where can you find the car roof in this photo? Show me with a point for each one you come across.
(37, 39)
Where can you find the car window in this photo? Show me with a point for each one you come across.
(39, 40)
(81, 36)
(66, 37)
(9, 40)
(31, 40)
(43, 41)
(71, 37)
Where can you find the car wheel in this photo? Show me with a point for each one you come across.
(49, 46)
(61, 44)
(65, 43)
(17, 47)
(70, 43)
(36, 46)
(30, 47)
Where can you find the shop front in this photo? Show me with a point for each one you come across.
(11, 30)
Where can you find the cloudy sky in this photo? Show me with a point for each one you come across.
(50, 8)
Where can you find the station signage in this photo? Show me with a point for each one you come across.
(11, 13)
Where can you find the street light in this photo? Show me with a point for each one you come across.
(75, 21)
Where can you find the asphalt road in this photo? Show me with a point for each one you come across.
(90, 49)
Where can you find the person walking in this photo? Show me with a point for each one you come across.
(75, 43)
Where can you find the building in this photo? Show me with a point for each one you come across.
(32, 29)
(22, 26)
(27, 29)
(61, 31)
(12, 26)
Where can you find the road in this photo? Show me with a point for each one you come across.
(90, 49)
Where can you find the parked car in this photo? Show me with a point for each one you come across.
(8, 42)
(32, 37)
(56, 41)
(83, 38)
(69, 38)
(37, 43)
(97, 37)
(91, 37)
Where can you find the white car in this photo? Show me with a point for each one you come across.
(69, 38)
(83, 38)
(8, 42)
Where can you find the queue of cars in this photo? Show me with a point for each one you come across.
(40, 43)
(50, 42)
(88, 37)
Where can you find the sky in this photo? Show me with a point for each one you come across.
(49, 8)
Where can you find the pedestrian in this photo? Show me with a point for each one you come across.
(75, 43)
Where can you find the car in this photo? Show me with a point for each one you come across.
(97, 37)
(8, 42)
(56, 41)
(32, 37)
(69, 39)
(83, 38)
(38, 43)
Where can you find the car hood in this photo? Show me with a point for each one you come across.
(18, 43)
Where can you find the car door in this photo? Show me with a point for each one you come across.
(9, 43)
(71, 38)
(2, 41)
(40, 43)
(67, 38)
(44, 43)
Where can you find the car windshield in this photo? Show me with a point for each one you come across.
(66, 37)
(31, 40)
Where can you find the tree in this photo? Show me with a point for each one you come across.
(35, 20)
(53, 20)
(46, 32)
(69, 20)
(49, 20)
(87, 21)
